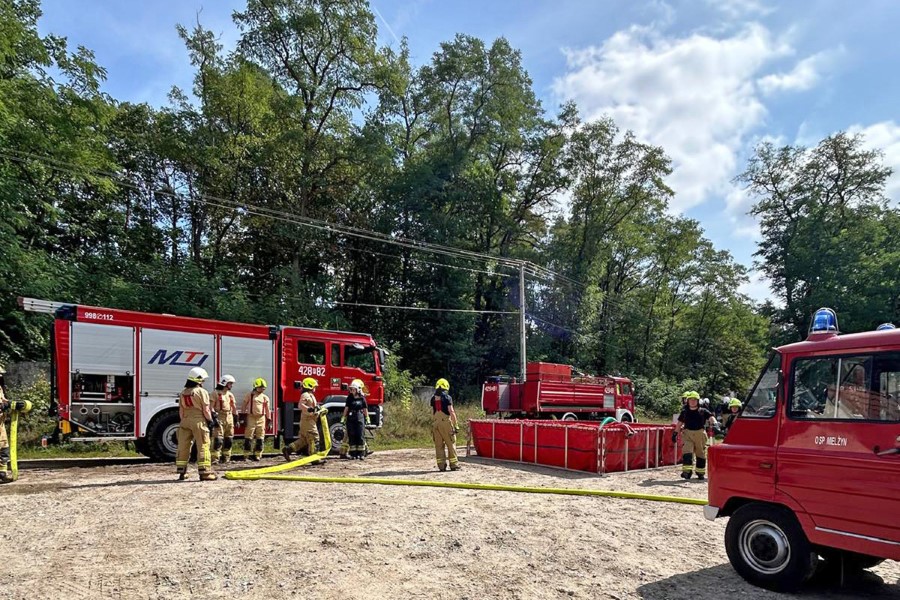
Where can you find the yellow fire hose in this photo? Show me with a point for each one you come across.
(255, 473)
(13, 434)
(272, 473)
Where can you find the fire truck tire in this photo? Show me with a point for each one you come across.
(626, 418)
(768, 548)
(337, 429)
(161, 440)
(569, 417)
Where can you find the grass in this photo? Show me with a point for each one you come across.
(79, 450)
(410, 426)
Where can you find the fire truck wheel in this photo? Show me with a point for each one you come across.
(142, 446)
(161, 436)
(569, 417)
(338, 430)
(626, 418)
(768, 548)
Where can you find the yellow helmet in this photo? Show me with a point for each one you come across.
(442, 384)
(735, 403)
(259, 382)
(309, 383)
(692, 395)
(358, 384)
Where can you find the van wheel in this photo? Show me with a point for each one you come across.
(162, 442)
(768, 548)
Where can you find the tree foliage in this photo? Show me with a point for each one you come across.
(192, 208)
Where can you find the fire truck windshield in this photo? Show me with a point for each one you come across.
(360, 357)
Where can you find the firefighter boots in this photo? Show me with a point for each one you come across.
(286, 452)
(207, 475)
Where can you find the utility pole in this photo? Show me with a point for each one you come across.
(522, 354)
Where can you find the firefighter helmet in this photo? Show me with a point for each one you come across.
(357, 384)
(691, 395)
(198, 375)
(735, 403)
(442, 384)
(226, 379)
(310, 384)
(259, 382)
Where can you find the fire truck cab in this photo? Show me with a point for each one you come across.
(116, 374)
(810, 470)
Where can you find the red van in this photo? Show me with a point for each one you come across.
(811, 468)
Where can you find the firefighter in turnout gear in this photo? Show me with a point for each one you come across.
(444, 426)
(196, 423)
(734, 410)
(692, 423)
(225, 406)
(355, 419)
(256, 406)
(5, 408)
(308, 439)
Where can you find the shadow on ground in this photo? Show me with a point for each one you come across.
(723, 579)
(560, 473)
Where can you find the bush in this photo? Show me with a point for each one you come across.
(36, 423)
(398, 384)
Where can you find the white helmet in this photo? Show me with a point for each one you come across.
(357, 385)
(226, 379)
(198, 375)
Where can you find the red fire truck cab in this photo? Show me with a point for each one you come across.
(553, 391)
(811, 468)
(116, 374)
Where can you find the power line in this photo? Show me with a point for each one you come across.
(265, 212)
(453, 310)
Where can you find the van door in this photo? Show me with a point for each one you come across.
(838, 455)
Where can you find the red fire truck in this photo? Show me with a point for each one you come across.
(558, 391)
(116, 374)
(811, 468)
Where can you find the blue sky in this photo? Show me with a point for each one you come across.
(706, 79)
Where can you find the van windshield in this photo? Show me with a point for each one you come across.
(761, 403)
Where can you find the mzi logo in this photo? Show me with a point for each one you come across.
(179, 358)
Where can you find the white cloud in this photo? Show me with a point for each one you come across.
(884, 136)
(757, 288)
(738, 9)
(695, 96)
(803, 76)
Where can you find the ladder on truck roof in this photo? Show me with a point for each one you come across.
(41, 306)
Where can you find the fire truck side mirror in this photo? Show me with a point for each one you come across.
(377, 378)
(345, 387)
(298, 385)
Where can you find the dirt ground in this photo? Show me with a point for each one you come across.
(135, 532)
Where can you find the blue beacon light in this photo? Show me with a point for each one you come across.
(825, 320)
(885, 327)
